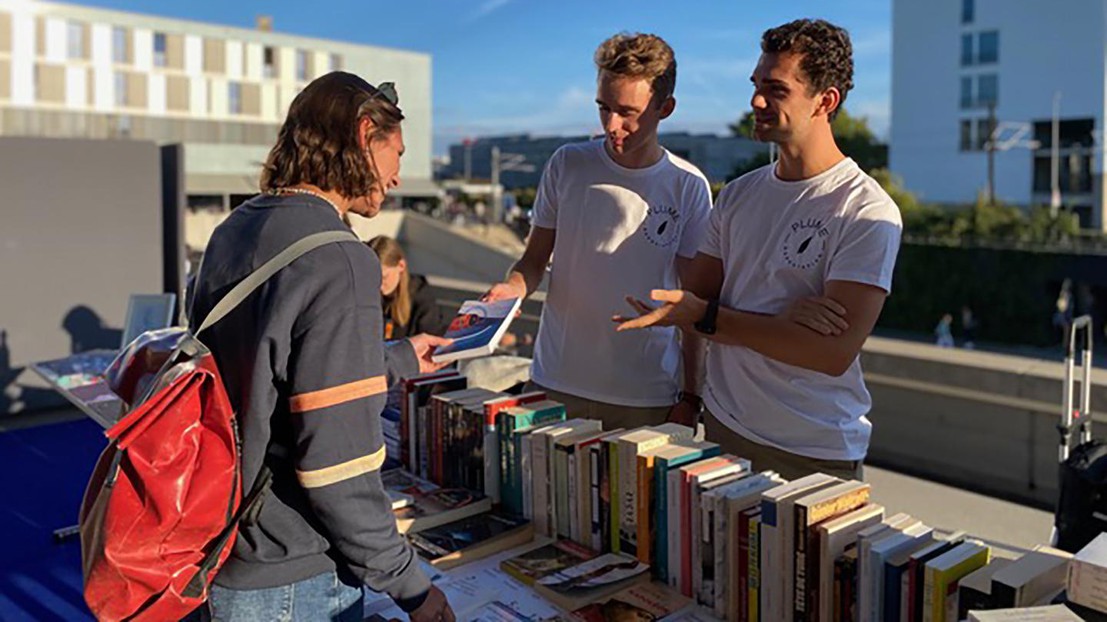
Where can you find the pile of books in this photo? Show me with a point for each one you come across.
(653, 503)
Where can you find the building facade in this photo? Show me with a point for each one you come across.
(965, 71)
(70, 71)
(716, 156)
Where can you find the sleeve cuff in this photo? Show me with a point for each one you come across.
(413, 589)
(400, 360)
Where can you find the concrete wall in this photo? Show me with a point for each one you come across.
(82, 231)
(976, 420)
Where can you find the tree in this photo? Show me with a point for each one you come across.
(743, 126)
(852, 134)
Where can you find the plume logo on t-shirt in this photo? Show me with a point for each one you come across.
(805, 244)
(662, 225)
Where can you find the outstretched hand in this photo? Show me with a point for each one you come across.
(677, 308)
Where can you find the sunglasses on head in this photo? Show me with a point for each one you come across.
(387, 90)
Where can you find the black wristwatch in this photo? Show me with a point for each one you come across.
(692, 399)
(706, 325)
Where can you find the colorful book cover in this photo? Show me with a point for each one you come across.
(545, 560)
(508, 421)
(477, 329)
(949, 568)
(755, 568)
(415, 393)
(810, 510)
(630, 445)
(491, 455)
(646, 601)
(418, 393)
(574, 587)
(665, 459)
(452, 540)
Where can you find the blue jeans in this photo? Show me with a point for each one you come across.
(322, 597)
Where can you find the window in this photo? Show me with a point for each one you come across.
(968, 11)
(987, 90)
(983, 132)
(119, 80)
(335, 62)
(75, 38)
(966, 50)
(119, 45)
(269, 62)
(966, 92)
(988, 47)
(302, 65)
(234, 97)
(159, 49)
(966, 135)
(1072, 132)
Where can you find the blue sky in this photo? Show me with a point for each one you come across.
(525, 66)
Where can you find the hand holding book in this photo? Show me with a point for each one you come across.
(425, 346)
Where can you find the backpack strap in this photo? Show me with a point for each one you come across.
(258, 277)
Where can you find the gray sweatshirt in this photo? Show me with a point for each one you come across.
(306, 370)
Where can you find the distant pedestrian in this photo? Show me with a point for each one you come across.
(1063, 309)
(943, 331)
(968, 328)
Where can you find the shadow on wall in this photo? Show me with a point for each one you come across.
(86, 332)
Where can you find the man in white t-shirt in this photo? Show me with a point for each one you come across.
(617, 215)
(793, 274)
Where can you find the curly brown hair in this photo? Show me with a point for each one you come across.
(318, 143)
(826, 50)
(640, 56)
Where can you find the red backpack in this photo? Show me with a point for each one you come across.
(162, 507)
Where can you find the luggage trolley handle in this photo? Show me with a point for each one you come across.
(1082, 417)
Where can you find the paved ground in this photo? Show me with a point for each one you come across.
(1003, 524)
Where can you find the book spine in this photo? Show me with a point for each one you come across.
(475, 454)
(799, 553)
(676, 528)
(515, 500)
(770, 561)
(718, 545)
(406, 447)
(743, 576)
(436, 442)
(628, 499)
(541, 484)
(596, 529)
(931, 606)
(561, 492)
(905, 595)
(889, 610)
(526, 460)
(491, 458)
(755, 583)
(421, 431)
(615, 500)
(703, 569)
(605, 497)
(645, 517)
(950, 612)
(584, 494)
(813, 580)
(573, 513)
(687, 538)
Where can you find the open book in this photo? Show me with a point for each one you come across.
(477, 329)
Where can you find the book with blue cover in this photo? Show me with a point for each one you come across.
(477, 329)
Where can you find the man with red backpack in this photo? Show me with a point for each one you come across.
(307, 372)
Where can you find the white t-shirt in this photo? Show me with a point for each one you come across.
(619, 232)
(780, 241)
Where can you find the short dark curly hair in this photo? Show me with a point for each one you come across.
(826, 49)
